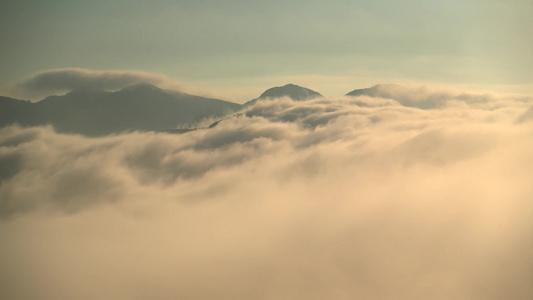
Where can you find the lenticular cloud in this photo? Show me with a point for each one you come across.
(331, 198)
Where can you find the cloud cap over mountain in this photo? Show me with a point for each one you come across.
(60, 81)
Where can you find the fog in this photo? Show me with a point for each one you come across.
(332, 198)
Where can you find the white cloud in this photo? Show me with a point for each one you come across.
(333, 198)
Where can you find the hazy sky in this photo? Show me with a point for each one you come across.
(244, 47)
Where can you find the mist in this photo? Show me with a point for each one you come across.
(331, 198)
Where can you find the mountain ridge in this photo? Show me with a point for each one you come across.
(140, 107)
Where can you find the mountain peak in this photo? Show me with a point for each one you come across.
(292, 91)
(374, 90)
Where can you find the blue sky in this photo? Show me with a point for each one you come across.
(239, 48)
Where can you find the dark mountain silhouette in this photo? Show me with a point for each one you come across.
(142, 107)
(292, 91)
(13, 110)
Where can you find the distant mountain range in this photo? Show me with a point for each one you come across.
(141, 107)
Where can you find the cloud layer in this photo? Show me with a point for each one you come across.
(332, 198)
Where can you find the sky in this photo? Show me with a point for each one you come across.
(236, 49)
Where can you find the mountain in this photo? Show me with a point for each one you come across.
(14, 110)
(295, 92)
(412, 98)
(379, 90)
(142, 107)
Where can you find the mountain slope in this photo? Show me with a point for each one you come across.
(141, 107)
(14, 110)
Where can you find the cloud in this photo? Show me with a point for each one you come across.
(526, 116)
(427, 97)
(58, 81)
(332, 198)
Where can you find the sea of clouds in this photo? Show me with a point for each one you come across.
(332, 198)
